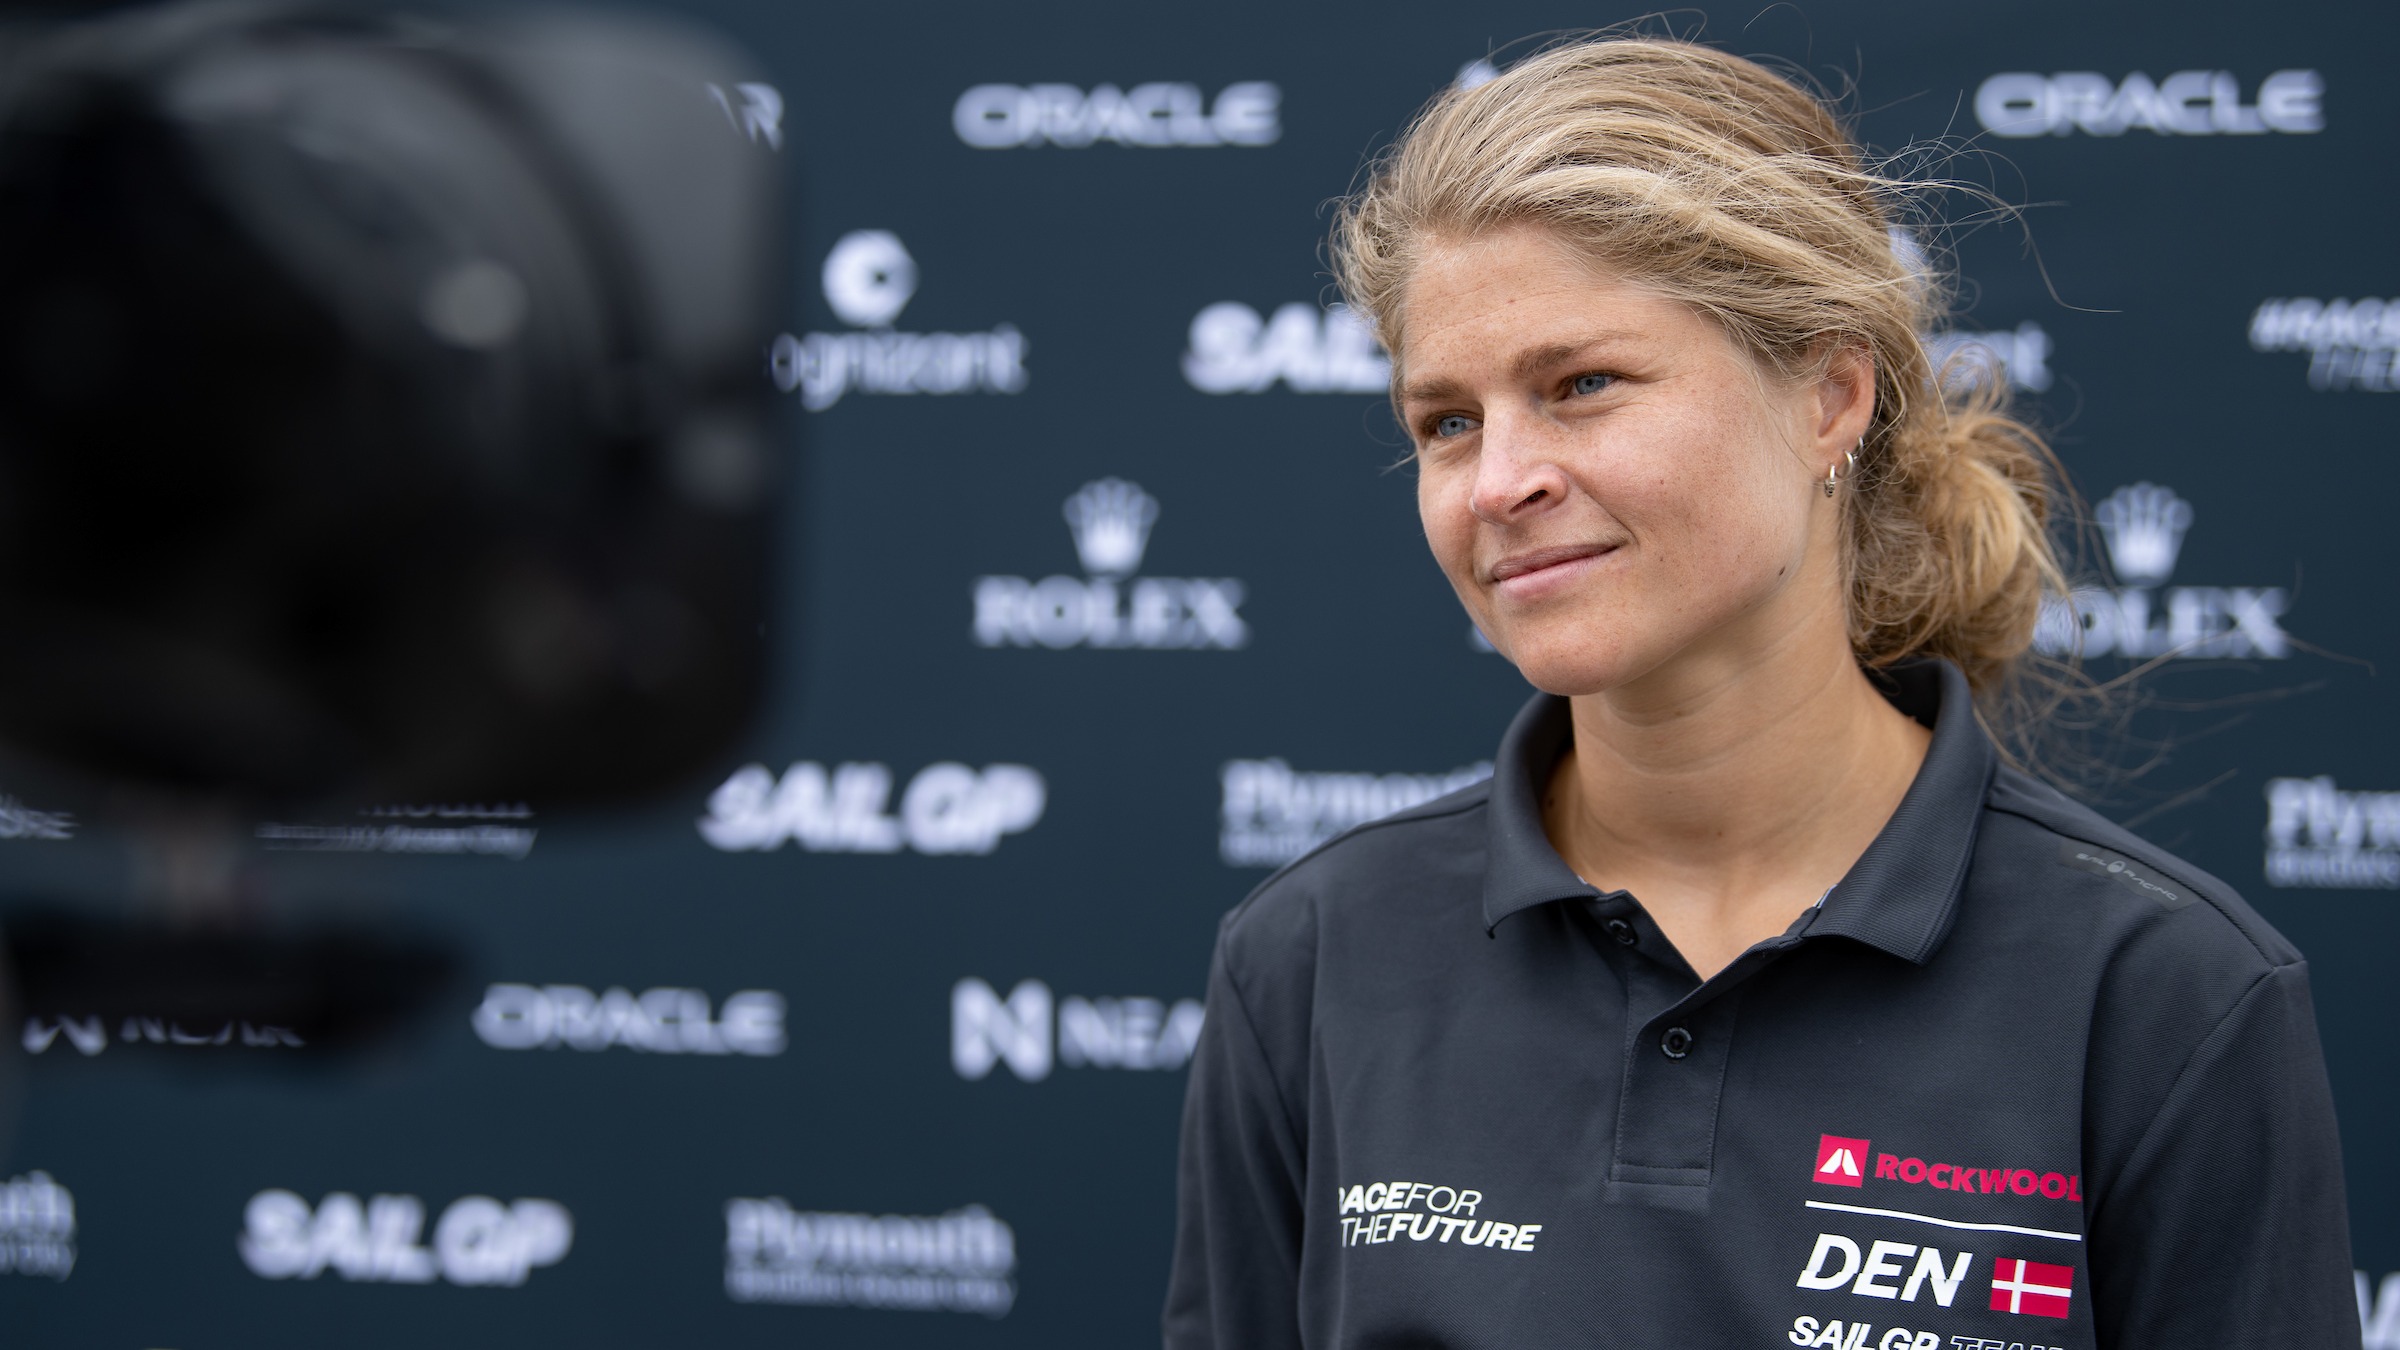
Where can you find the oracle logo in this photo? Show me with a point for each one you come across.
(2186, 103)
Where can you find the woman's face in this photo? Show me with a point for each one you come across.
(1614, 488)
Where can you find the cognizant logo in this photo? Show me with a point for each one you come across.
(869, 278)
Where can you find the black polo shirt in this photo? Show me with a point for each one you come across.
(2019, 1080)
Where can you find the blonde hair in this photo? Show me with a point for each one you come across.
(1714, 181)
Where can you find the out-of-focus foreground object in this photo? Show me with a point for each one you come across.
(381, 402)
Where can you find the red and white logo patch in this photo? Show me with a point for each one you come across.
(2031, 1287)
(1841, 1161)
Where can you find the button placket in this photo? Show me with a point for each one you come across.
(1675, 1064)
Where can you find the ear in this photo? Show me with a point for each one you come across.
(1845, 402)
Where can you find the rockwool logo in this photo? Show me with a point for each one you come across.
(1272, 814)
(1841, 1161)
(2144, 525)
(1099, 1033)
(1845, 1161)
(479, 1240)
(962, 1261)
(1109, 607)
(869, 278)
(666, 1021)
(37, 1227)
(2186, 103)
(1155, 115)
(2322, 837)
(2351, 344)
(947, 809)
(1235, 350)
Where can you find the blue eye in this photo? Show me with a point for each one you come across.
(1593, 384)
(1453, 425)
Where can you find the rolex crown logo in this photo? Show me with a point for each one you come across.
(1111, 519)
(2144, 526)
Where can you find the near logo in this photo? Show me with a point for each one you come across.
(2031, 1287)
(1841, 1161)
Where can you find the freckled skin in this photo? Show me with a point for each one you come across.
(1690, 462)
(1633, 511)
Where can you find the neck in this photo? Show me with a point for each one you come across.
(1728, 798)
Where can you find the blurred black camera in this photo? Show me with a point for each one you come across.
(382, 403)
(383, 418)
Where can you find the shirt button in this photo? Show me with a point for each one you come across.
(1622, 932)
(1676, 1043)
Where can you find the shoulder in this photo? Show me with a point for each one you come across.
(1431, 851)
(2089, 863)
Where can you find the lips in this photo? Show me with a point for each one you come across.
(1543, 559)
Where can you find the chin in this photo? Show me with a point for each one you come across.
(1566, 665)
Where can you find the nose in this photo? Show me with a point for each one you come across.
(1516, 474)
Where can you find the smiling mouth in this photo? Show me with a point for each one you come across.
(1543, 559)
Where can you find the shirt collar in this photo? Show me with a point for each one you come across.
(1900, 896)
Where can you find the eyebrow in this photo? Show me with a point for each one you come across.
(1531, 361)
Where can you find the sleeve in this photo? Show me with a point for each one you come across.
(1235, 1282)
(2227, 1227)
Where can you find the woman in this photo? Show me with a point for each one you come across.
(1755, 1001)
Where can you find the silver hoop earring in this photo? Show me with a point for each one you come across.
(1850, 455)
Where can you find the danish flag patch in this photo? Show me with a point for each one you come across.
(2031, 1287)
(1841, 1161)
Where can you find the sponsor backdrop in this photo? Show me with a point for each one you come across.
(1105, 597)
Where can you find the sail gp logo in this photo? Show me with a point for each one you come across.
(1838, 1160)
(478, 1241)
(2144, 525)
(1236, 350)
(1109, 606)
(1843, 1161)
(947, 809)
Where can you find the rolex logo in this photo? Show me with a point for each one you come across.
(2142, 619)
(1111, 519)
(2144, 526)
(1108, 606)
